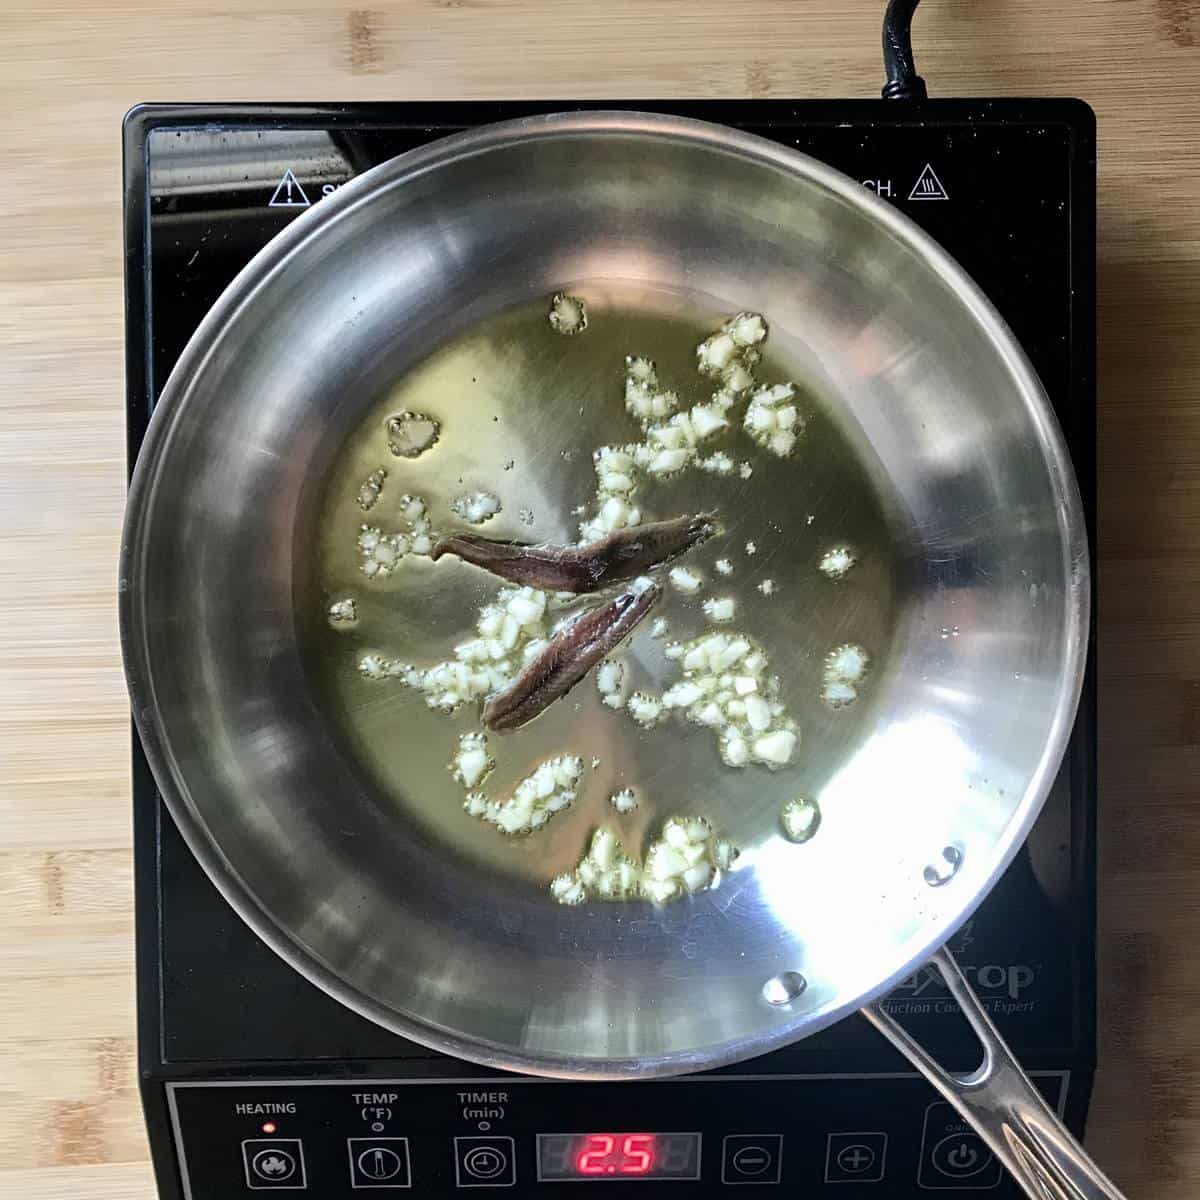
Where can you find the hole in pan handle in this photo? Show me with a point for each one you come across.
(1002, 1105)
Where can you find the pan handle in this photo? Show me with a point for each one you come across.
(1004, 1107)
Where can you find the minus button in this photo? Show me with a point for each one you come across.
(752, 1158)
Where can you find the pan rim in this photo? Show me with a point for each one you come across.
(397, 172)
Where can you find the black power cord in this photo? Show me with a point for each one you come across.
(903, 82)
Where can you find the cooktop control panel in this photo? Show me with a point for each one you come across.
(443, 1137)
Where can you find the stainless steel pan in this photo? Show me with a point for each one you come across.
(923, 813)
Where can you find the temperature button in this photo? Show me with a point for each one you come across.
(379, 1162)
(484, 1162)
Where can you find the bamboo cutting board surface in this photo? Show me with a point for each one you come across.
(69, 1119)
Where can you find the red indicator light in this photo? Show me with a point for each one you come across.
(616, 1154)
(269, 1127)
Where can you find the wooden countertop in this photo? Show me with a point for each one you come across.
(70, 1125)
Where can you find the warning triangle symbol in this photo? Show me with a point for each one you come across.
(288, 193)
(928, 186)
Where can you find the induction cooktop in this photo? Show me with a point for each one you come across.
(254, 1080)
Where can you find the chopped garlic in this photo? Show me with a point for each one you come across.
(746, 470)
(410, 434)
(645, 709)
(686, 580)
(667, 462)
(551, 788)
(747, 329)
(757, 712)
(845, 667)
(707, 419)
(837, 562)
(682, 860)
(726, 687)
(342, 612)
(381, 553)
(671, 445)
(734, 749)
(616, 510)
(641, 370)
(568, 314)
(848, 662)
(716, 464)
(624, 800)
(616, 468)
(605, 870)
(375, 666)
(720, 611)
(767, 587)
(775, 749)
(716, 353)
(643, 399)
(724, 566)
(472, 764)
(509, 630)
(659, 627)
(800, 819)
(567, 889)
(683, 694)
(738, 377)
(371, 488)
(661, 890)
(685, 859)
(772, 419)
(610, 679)
(837, 694)
(729, 352)
(751, 548)
(671, 442)
(412, 509)
(725, 854)
(476, 507)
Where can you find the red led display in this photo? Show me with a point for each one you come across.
(598, 1156)
(616, 1154)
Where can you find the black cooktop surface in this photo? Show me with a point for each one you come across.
(1007, 187)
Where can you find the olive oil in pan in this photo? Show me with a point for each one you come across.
(520, 410)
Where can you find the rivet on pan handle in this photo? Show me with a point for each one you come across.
(1001, 1103)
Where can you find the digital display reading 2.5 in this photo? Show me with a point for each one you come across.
(584, 1156)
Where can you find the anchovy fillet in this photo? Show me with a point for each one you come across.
(624, 554)
(568, 657)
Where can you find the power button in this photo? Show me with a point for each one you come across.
(960, 1156)
(953, 1156)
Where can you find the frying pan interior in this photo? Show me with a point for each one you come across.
(977, 652)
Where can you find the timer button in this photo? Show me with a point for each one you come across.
(484, 1162)
(752, 1158)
